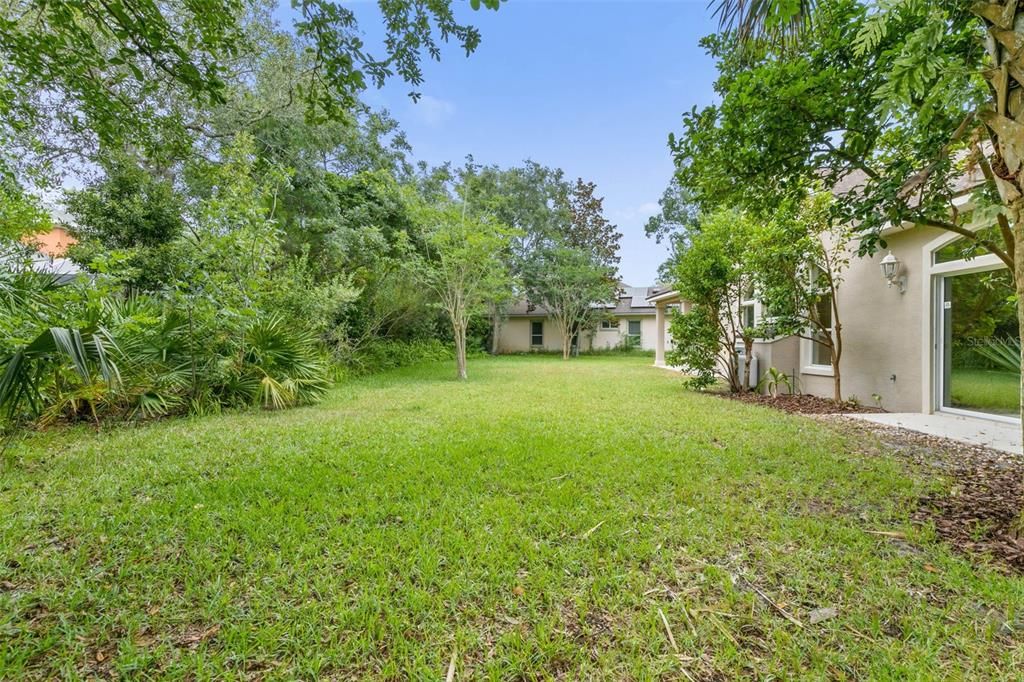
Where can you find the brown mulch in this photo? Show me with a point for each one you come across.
(976, 513)
(802, 404)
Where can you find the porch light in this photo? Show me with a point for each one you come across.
(891, 267)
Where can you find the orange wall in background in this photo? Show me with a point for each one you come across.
(54, 243)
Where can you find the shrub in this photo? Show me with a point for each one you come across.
(380, 355)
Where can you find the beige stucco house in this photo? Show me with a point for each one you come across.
(910, 340)
(633, 319)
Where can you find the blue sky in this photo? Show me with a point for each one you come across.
(593, 87)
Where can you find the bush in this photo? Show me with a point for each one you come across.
(380, 355)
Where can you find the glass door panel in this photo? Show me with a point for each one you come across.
(980, 359)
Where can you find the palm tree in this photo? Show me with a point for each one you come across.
(756, 19)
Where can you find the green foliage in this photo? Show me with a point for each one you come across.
(571, 284)
(20, 214)
(63, 370)
(712, 274)
(385, 354)
(775, 21)
(773, 380)
(117, 72)
(790, 119)
(277, 366)
(696, 336)
(127, 223)
(1004, 354)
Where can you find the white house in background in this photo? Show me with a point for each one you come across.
(912, 318)
(633, 319)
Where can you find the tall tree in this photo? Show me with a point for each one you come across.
(530, 198)
(588, 229)
(462, 267)
(713, 274)
(798, 260)
(572, 286)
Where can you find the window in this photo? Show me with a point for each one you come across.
(634, 332)
(537, 333)
(821, 353)
(747, 315)
(609, 324)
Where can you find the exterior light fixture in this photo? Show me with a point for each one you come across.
(891, 268)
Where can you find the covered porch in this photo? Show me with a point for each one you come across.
(663, 302)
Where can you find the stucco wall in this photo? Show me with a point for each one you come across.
(514, 336)
(610, 338)
(882, 329)
(782, 354)
(54, 243)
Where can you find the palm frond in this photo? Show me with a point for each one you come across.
(777, 21)
(1003, 353)
(85, 352)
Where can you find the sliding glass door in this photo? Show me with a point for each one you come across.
(979, 358)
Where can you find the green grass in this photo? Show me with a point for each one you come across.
(986, 390)
(533, 523)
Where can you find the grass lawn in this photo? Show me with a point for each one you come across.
(987, 390)
(537, 522)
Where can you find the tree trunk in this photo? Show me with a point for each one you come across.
(460, 352)
(495, 330)
(1018, 280)
(1003, 21)
(837, 350)
(837, 383)
(748, 346)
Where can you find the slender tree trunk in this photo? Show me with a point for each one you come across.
(748, 346)
(495, 329)
(837, 382)
(837, 350)
(460, 351)
(1018, 280)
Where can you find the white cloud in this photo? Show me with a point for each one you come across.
(635, 213)
(433, 111)
(648, 209)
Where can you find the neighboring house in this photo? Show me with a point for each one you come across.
(631, 320)
(54, 243)
(910, 340)
(51, 248)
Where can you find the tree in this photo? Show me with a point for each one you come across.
(676, 219)
(588, 229)
(798, 260)
(117, 71)
(462, 266)
(714, 276)
(531, 199)
(130, 212)
(573, 286)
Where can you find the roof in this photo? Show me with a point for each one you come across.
(631, 301)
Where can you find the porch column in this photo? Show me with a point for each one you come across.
(659, 343)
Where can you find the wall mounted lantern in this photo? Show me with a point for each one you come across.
(891, 268)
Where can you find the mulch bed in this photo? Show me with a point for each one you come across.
(802, 404)
(976, 513)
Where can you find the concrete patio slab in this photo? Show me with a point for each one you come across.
(998, 435)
